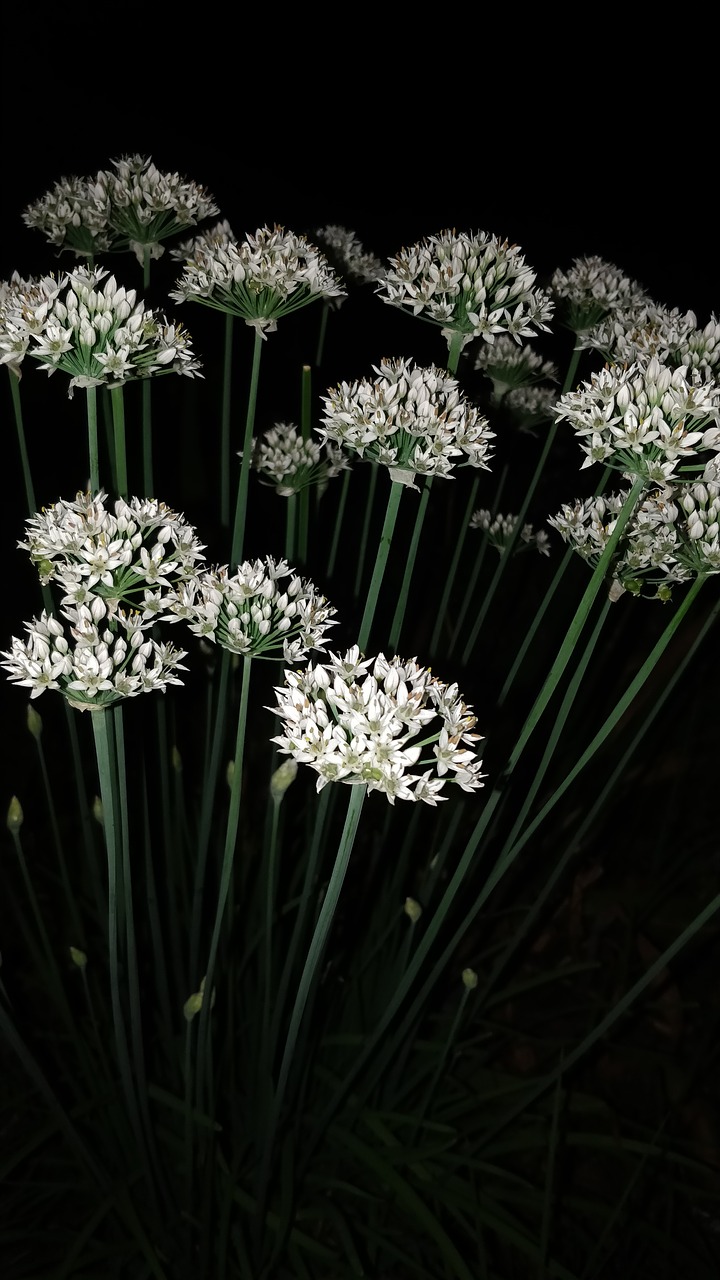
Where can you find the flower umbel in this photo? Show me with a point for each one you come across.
(359, 726)
(289, 463)
(147, 206)
(591, 290)
(500, 529)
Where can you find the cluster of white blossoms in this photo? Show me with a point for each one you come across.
(96, 332)
(357, 720)
(266, 276)
(530, 406)
(92, 663)
(410, 419)
(653, 331)
(131, 206)
(347, 255)
(263, 610)
(509, 365)
(283, 459)
(671, 537)
(591, 290)
(472, 284)
(220, 234)
(22, 305)
(500, 529)
(646, 419)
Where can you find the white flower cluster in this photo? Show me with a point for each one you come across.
(253, 611)
(117, 572)
(644, 420)
(99, 664)
(671, 537)
(475, 285)
(651, 331)
(529, 406)
(97, 333)
(219, 235)
(508, 365)
(345, 252)
(264, 277)
(412, 420)
(500, 528)
(131, 206)
(22, 304)
(285, 460)
(356, 720)
(591, 290)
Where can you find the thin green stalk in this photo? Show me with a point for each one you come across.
(267, 979)
(148, 480)
(290, 518)
(479, 561)
(322, 331)
(241, 505)
(455, 347)
(206, 813)
(93, 456)
(454, 565)
(58, 842)
(225, 422)
(118, 413)
(442, 1059)
(401, 606)
(306, 429)
(338, 521)
(24, 459)
(381, 558)
(360, 567)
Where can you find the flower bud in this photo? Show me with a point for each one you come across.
(78, 957)
(176, 760)
(282, 778)
(34, 722)
(470, 979)
(412, 909)
(14, 816)
(97, 810)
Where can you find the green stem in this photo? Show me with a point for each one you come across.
(360, 567)
(479, 561)
(321, 334)
(381, 558)
(118, 413)
(206, 813)
(93, 456)
(148, 480)
(241, 505)
(338, 521)
(401, 606)
(225, 422)
(290, 514)
(305, 427)
(24, 459)
(454, 564)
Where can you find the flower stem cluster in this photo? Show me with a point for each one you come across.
(356, 720)
(472, 284)
(254, 612)
(290, 464)
(409, 419)
(266, 276)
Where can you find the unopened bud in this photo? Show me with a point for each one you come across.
(470, 979)
(282, 778)
(176, 760)
(194, 1003)
(78, 957)
(34, 722)
(230, 772)
(14, 815)
(412, 909)
(97, 811)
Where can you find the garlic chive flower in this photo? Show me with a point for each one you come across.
(528, 407)
(221, 234)
(94, 661)
(283, 459)
(671, 337)
(131, 555)
(591, 290)
(263, 610)
(645, 420)
(386, 724)
(266, 276)
(103, 334)
(409, 419)
(148, 205)
(74, 215)
(508, 366)
(472, 284)
(500, 528)
(22, 308)
(348, 257)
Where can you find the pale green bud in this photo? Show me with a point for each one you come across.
(412, 909)
(282, 778)
(470, 979)
(194, 1003)
(78, 957)
(176, 760)
(14, 815)
(34, 722)
(97, 811)
(230, 772)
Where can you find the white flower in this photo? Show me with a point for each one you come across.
(500, 529)
(591, 290)
(74, 215)
(409, 419)
(23, 305)
(508, 365)
(147, 205)
(285, 460)
(262, 610)
(475, 285)
(348, 257)
(361, 727)
(642, 333)
(221, 234)
(261, 279)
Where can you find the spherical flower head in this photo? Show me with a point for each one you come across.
(646, 420)
(591, 290)
(287, 462)
(220, 235)
(263, 610)
(261, 279)
(410, 419)
(529, 407)
(100, 333)
(147, 206)
(20, 302)
(473, 285)
(133, 554)
(509, 365)
(651, 331)
(357, 721)
(500, 529)
(93, 660)
(74, 215)
(347, 256)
